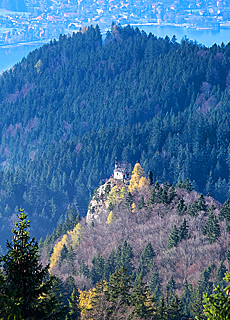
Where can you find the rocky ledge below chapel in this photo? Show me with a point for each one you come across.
(100, 203)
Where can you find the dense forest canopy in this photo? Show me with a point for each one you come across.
(71, 107)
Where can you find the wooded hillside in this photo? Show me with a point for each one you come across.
(174, 238)
(72, 106)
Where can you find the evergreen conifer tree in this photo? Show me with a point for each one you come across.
(70, 254)
(164, 195)
(193, 210)
(212, 228)
(201, 206)
(159, 198)
(110, 265)
(172, 194)
(64, 253)
(220, 273)
(187, 297)
(174, 310)
(72, 220)
(162, 313)
(67, 288)
(112, 299)
(110, 206)
(183, 231)
(157, 185)
(97, 269)
(118, 288)
(126, 257)
(188, 185)
(152, 197)
(228, 255)
(83, 269)
(118, 261)
(4, 300)
(171, 288)
(150, 176)
(47, 241)
(155, 287)
(225, 210)
(129, 199)
(204, 284)
(74, 309)
(141, 203)
(107, 188)
(173, 238)
(185, 185)
(26, 280)
(180, 184)
(98, 305)
(146, 260)
(181, 207)
(142, 301)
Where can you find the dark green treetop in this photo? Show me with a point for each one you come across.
(146, 260)
(28, 286)
(225, 210)
(181, 207)
(74, 310)
(173, 238)
(212, 228)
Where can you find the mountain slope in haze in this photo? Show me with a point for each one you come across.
(72, 106)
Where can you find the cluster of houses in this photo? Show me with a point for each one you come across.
(45, 20)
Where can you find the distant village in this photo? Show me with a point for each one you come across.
(45, 20)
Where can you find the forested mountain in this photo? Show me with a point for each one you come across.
(175, 239)
(72, 106)
(145, 251)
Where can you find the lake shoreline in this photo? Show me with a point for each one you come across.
(10, 54)
(138, 25)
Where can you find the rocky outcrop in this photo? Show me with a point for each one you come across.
(99, 205)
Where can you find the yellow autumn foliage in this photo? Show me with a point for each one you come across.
(111, 217)
(134, 181)
(113, 194)
(116, 194)
(137, 178)
(133, 207)
(57, 250)
(138, 169)
(75, 235)
(39, 66)
(85, 301)
(72, 238)
(143, 182)
(122, 193)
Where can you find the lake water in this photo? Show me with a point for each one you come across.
(206, 37)
(12, 55)
(9, 56)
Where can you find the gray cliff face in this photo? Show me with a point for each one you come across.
(99, 205)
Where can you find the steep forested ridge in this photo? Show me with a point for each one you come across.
(174, 239)
(72, 106)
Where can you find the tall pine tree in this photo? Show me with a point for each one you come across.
(28, 287)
